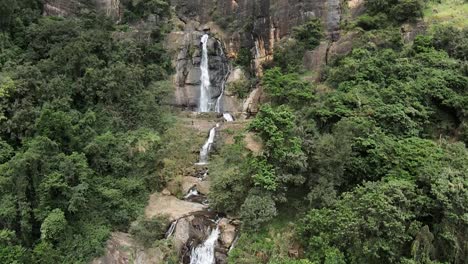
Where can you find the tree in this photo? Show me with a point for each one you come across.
(372, 224)
(275, 126)
(257, 209)
(7, 9)
(309, 33)
(53, 226)
(286, 88)
(400, 10)
(147, 231)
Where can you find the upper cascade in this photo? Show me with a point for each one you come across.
(205, 86)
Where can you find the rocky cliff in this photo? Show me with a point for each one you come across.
(68, 7)
(259, 23)
(254, 25)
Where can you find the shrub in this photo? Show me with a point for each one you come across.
(309, 34)
(53, 226)
(288, 55)
(258, 209)
(244, 58)
(368, 22)
(147, 231)
(399, 10)
(240, 88)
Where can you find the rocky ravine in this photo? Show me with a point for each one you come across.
(194, 220)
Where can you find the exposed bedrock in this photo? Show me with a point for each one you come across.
(69, 7)
(254, 25)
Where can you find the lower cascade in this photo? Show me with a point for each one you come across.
(205, 253)
(205, 151)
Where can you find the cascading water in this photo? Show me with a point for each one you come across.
(205, 93)
(228, 117)
(192, 192)
(223, 84)
(171, 229)
(205, 253)
(205, 151)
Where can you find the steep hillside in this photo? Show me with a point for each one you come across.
(233, 131)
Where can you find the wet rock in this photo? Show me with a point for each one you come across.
(252, 103)
(221, 258)
(356, 7)
(343, 46)
(272, 19)
(202, 186)
(171, 206)
(252, 144)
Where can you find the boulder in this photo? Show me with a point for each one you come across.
(182, 232)
(166, 192)
(228, 232)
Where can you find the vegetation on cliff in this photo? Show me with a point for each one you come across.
(369, 166)
(81, 118)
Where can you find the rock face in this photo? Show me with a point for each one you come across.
(187, 78)
(171, 206)
(259, 23)
(254, 25)
(69, 7)
(122, 249)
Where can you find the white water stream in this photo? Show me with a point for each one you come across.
(205, 151)
(205, 253)
(228, 117)
(205, 92)
(171, 229)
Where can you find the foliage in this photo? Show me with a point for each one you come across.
(452, 40)
(257, 209)
(136, 9)
(379, 212)
(147, 231)
(309, 33)
(376, 155)
(368, 22)
(286, 88)
(240, 88)
(81, 114)
(230, 178)
(288, 54)
(275, 126)
(244, 58)
(53, 226)
(400, 10)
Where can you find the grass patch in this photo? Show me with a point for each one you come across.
(452, 12)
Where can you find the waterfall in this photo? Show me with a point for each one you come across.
(228, 117)
(192, 192)
(205, 94)
(171, 229)
(205, 253)
(205, 151)
(223, 84)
